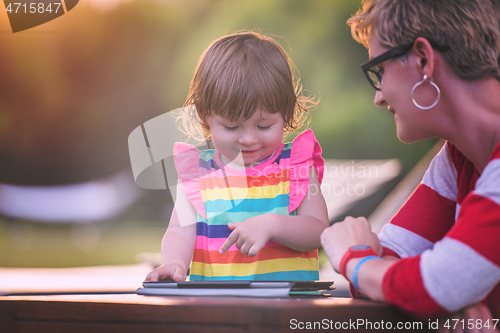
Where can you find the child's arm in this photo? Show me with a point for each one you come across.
(178, 243)
(301, 232)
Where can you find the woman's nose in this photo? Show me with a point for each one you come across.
(379, 99)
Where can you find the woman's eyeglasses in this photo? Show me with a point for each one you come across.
(370, 69)
(373, 74)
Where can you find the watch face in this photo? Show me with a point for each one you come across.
(360, 247)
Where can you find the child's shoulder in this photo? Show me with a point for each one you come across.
(305, 142)
(189, 158)
(302, 149)
(304, 137)
(192, 152)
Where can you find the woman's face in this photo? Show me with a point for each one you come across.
(398, 78)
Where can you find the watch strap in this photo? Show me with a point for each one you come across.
(350, 254)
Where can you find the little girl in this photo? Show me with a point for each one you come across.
(256, 201)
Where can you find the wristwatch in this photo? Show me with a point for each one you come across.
(356, 251)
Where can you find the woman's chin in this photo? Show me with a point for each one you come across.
(404, 137)
(407, 138)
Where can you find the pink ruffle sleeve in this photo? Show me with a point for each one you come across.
(186, 159)
(306, 153)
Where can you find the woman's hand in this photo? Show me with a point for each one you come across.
(337, 239)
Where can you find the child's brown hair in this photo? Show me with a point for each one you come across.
(241, 72)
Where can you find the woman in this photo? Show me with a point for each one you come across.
(434, 65)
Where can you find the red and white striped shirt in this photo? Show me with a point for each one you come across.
(448, 236)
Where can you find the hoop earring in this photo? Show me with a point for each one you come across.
(425, 79)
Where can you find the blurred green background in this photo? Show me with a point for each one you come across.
(73, 89)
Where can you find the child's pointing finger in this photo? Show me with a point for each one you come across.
(233, 237)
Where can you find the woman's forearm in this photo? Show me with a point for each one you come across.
(370, 276)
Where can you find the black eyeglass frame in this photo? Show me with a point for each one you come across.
(395, 52)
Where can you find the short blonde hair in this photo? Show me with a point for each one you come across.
(241, 72)
(470, 28)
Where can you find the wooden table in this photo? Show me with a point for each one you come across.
(125, 313)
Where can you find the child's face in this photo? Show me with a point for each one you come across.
(247, 141)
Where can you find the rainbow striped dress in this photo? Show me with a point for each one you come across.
(221, 195)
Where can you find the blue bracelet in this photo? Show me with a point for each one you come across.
(356, 269)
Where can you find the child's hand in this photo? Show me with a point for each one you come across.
(250, 235)
(167, 272)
